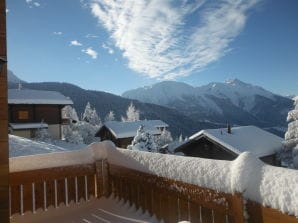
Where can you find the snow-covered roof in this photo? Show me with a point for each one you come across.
(18, 126)
(129, 129)
(244, 138)
(26, 96)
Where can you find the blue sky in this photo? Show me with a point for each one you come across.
(116, 46)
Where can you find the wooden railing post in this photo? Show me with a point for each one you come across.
(102, 178)
(238, 208)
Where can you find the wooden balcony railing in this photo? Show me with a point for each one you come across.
(168, 199)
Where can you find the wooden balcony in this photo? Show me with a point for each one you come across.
(75, 187)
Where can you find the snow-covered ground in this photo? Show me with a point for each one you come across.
(19, 146)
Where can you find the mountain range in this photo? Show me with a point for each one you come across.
(233, 101)
(185, 108)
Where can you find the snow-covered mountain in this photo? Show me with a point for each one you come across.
(234, 101)
(12, 78)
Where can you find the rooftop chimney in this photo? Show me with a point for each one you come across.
(229, 128)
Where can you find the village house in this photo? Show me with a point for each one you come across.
(227, 144)
(122, 133)
(30, 110)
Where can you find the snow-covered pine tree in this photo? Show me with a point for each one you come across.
(87, 112)
(132, 114)
(143, 141)
(110, 116)
(290, 153)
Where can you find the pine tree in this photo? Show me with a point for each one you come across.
(290, 153)
(143, 141)
(110, 116)
(132, 114)
(87, 113)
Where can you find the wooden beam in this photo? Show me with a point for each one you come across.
(4, 169)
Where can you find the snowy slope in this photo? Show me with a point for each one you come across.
(19, 146)
(235, 101)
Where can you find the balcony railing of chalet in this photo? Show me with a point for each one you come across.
(171, 187)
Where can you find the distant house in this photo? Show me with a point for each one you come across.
(29, 110)
(226, 144)
(122, 133)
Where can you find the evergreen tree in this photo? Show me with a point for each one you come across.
(132, 114)
(143, 141)
(290, 153)
(110, 116)
(87, 113)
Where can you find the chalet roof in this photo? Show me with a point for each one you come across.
(244, 138)
(18, 126)
(26, 96)
(129, 129)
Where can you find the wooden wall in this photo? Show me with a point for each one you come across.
(50, 114)
(4, 168)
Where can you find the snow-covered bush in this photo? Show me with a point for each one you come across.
(289, 155)
(143, 141)
(164, 138)
(72, 135)
(70, 113)
(110, 116)
(132, 114)
(42, 134)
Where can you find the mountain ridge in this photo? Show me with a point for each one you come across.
(232, 101)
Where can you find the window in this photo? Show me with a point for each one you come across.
(23, 115)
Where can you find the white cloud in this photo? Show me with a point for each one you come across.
(160, 40)
(75, 43)
(89, 51)
(58, 33)
(7, 10)
(36, 4)
(32, 3)
(91, 36)
(109, 49)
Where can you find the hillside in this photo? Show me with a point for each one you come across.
(104, 102)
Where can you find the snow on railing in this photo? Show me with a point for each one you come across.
(270, 186)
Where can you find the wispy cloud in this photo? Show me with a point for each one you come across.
(32, 3)
(109, 49)
(75, 43)
(57, 33)
(36, 4)
(91, 36)
(92, 53)
(7, 10)
(168, 39)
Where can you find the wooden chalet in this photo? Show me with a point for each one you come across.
(29, 110)
(122, 133)
(227, 144)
